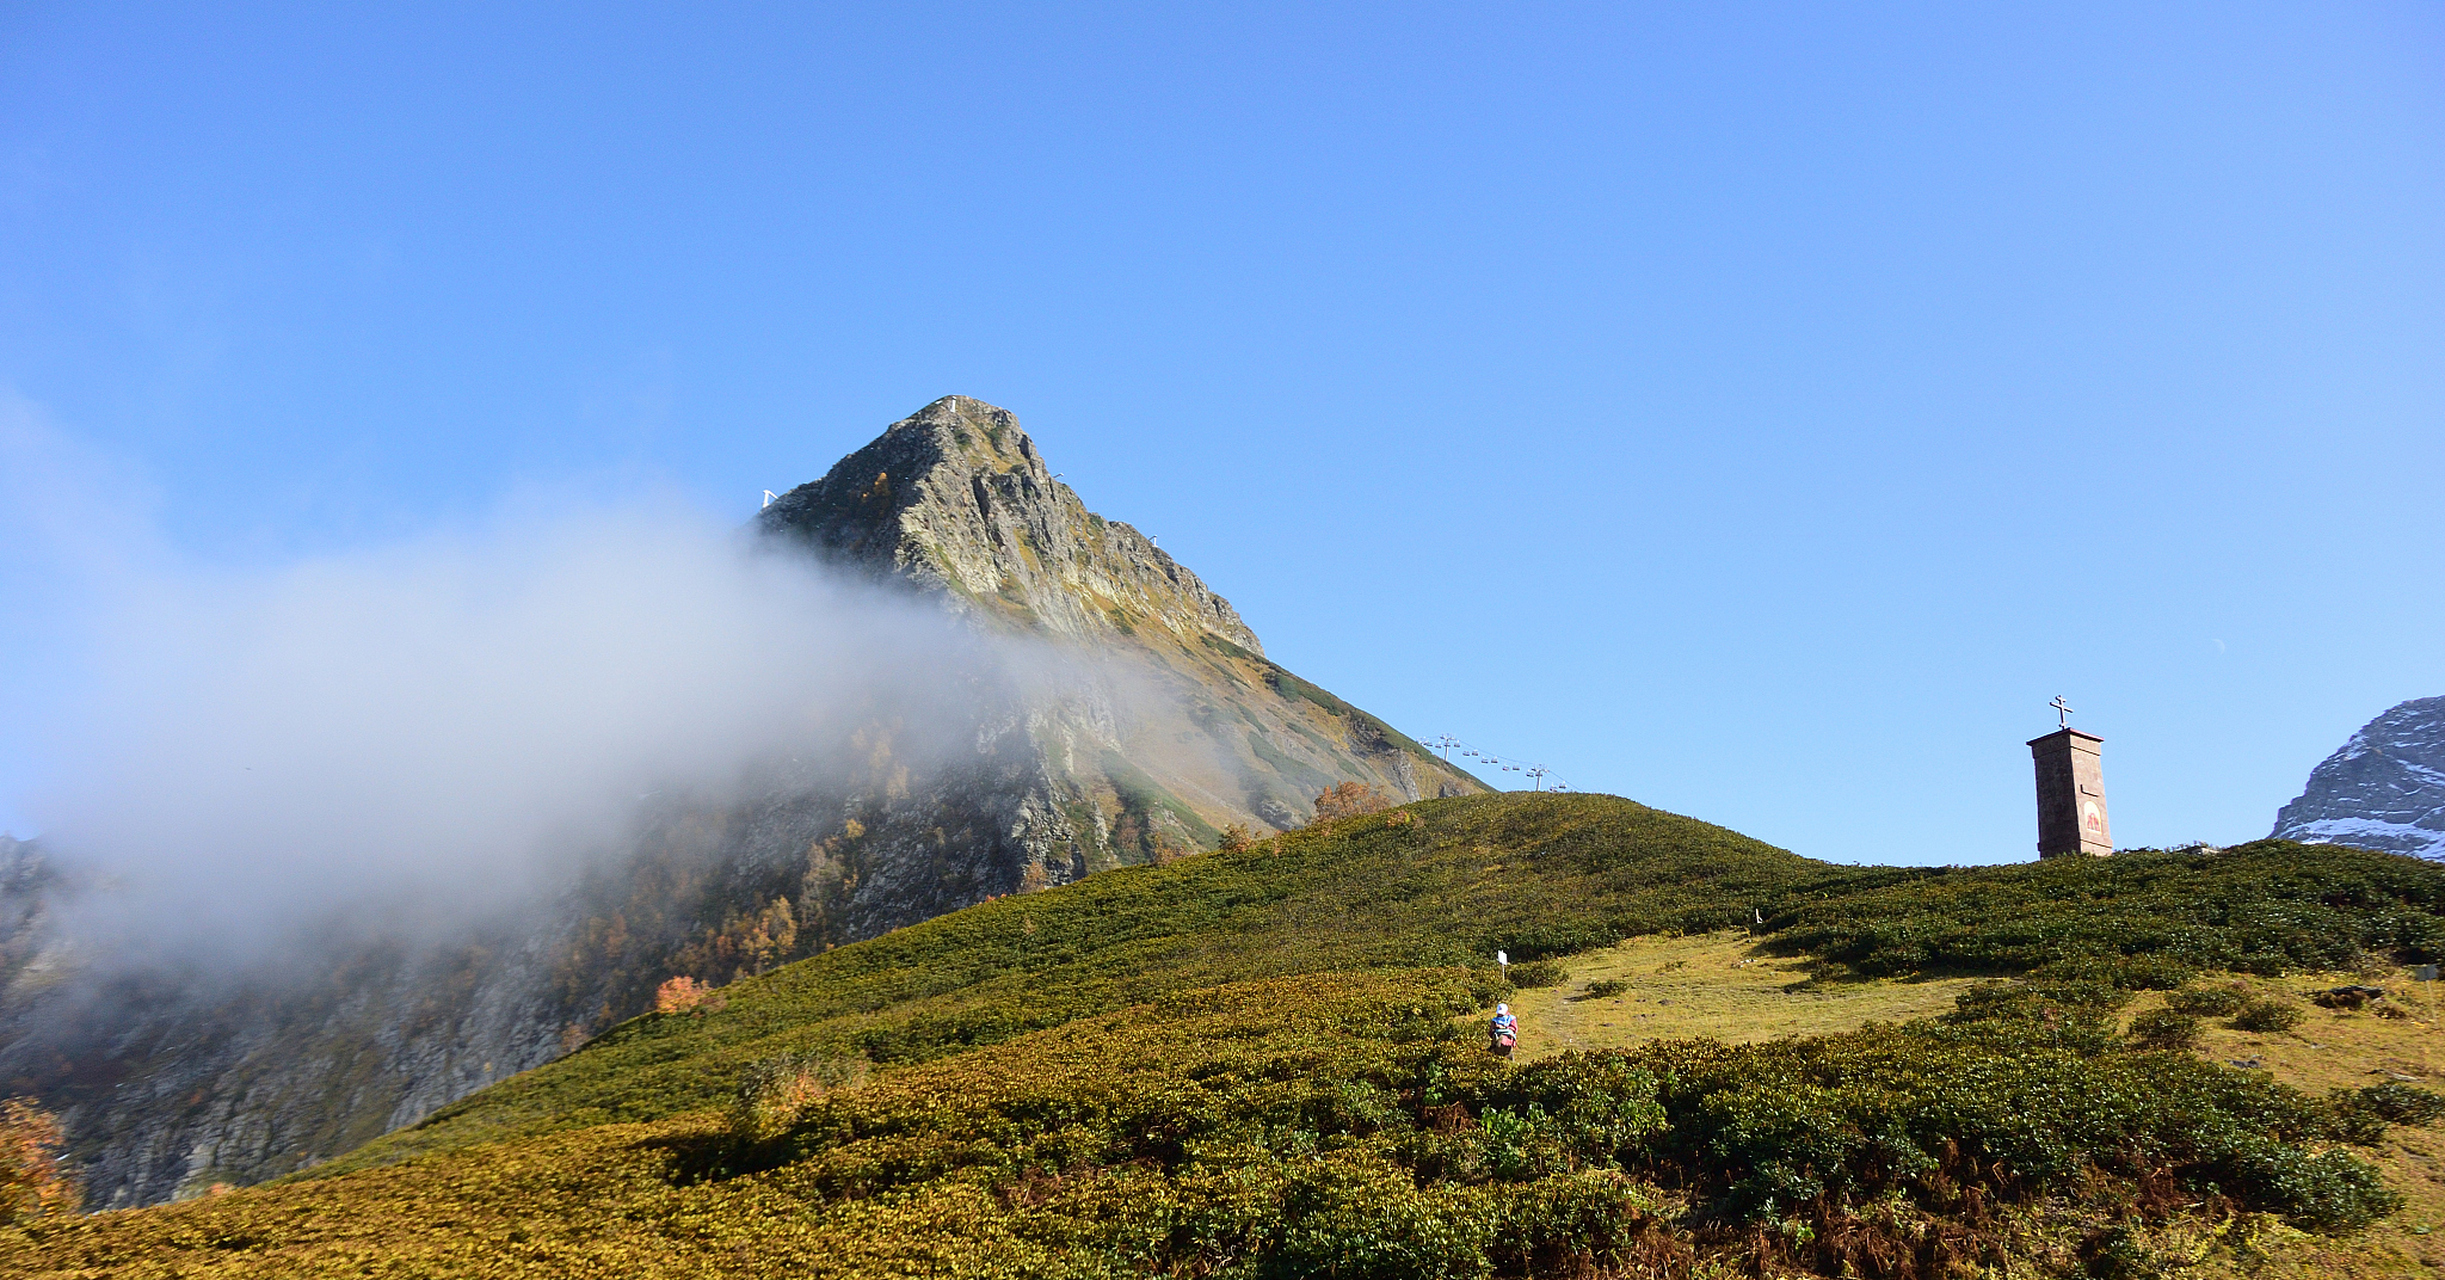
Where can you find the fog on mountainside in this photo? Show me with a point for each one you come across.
(423, 730)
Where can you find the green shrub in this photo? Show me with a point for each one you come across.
(1595, 1108)
(2210, 1002)
(1539, 973)
(2147, 918)
(2121, 972)
(1606, 988)
(1582, 1216)
(1363, 1217)
(2268, 1015)
(2165, 1029)
(2402, 1104)
(2363, 1115)
(2075, 1015)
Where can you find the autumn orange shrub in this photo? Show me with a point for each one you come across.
(682, 994)
(1350, 799)
(33, 1182)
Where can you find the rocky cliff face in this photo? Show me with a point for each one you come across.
(2384, 790)
(956, 499)
(1143, 720)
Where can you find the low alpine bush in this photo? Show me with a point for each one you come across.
(2210, 1002)
(1539, 973)
(2165, 1029)
(2268, 1015)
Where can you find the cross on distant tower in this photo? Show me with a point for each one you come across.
(2062, 712)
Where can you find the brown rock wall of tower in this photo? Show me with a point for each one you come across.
(2071, 795)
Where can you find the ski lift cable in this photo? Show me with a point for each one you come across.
(1504, 764)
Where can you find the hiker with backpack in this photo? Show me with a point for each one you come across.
(1504, 1035)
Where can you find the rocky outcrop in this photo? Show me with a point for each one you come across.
(956, 499)
(1141, 719)
(2385, 789)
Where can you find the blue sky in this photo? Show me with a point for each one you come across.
(1756, 410)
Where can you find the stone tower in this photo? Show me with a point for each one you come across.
(2070, 795)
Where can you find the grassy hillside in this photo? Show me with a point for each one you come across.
(1254, 1064)
(1538, 876)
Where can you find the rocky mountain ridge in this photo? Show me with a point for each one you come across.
(956, 499)
(1158, 723)
(2384, 789)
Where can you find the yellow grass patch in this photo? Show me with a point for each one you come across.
(1716, 985)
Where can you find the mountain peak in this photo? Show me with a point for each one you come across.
(956, 498)
(2383, 789)
(966, 434)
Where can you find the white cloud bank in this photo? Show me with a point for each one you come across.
(426, 725)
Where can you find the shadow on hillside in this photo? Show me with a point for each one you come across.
(717, 1155)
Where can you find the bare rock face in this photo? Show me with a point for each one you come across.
(1139, 720)
(956, 499)
(2385, 789)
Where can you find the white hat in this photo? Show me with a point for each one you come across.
(1502, 1008)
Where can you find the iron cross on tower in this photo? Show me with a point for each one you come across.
(2062, 712)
